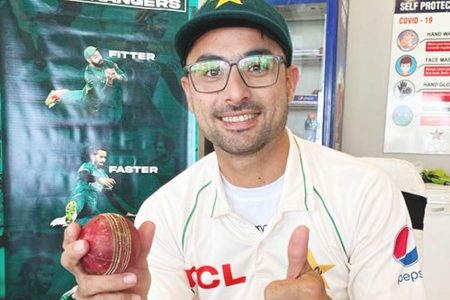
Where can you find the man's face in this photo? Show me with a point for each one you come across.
(96, 59)
(99, 158)
(161, 149)
(239, 119)
(405, 68)
(43, 278)
(159, 27)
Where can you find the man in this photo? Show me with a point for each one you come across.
(36, 274)
(101, 95)
(165, 159)
(235, 225)
(92, 180)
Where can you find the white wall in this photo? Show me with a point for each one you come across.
(368, 57)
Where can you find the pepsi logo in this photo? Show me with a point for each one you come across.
(405, 250)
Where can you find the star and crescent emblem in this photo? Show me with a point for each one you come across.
(320, 269)
(222, 2)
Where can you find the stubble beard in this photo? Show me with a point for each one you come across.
(245, 143)
(99, 165)
(99, 64)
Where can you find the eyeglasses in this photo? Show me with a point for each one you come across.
(257, 71)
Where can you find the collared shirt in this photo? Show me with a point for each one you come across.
(360, 239)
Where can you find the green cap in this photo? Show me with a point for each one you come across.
(89, 51)
(237, 13)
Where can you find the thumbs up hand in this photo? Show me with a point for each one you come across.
(302, 282)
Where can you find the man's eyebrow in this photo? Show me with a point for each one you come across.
(248, 53)
(209, 57)
(258, 52)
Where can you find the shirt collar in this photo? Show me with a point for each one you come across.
(297, 190)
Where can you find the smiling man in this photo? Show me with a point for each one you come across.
(267, 215)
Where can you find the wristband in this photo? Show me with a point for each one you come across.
(70, 294)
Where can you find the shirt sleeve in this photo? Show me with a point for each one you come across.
(384, 261)
(120, 72)
(166, 260)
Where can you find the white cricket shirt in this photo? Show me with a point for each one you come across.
(360, 237)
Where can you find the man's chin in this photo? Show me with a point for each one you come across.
(99, 64)
(247, 149)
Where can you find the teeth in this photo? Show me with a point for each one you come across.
(240, 118)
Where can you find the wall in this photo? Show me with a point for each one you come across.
(368, 57)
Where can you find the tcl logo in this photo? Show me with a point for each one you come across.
(213, 275)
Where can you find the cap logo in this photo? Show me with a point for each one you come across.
(222, 2)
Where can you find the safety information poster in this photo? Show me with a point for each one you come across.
(418, 104)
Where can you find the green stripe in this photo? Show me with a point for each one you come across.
(332, 221)
(192, 213)
(214, 205)
(305, 190)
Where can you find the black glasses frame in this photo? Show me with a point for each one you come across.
(280, 60)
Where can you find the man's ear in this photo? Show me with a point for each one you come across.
(187, 91)
(292, 79)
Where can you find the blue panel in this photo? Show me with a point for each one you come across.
(330, 73)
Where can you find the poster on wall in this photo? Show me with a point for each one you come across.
(418, 104)
(94, 120)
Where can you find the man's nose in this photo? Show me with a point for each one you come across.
(236, 89)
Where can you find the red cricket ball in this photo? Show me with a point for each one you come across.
(114, 244)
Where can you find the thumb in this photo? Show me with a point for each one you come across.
(297, 251)
(146, 234)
